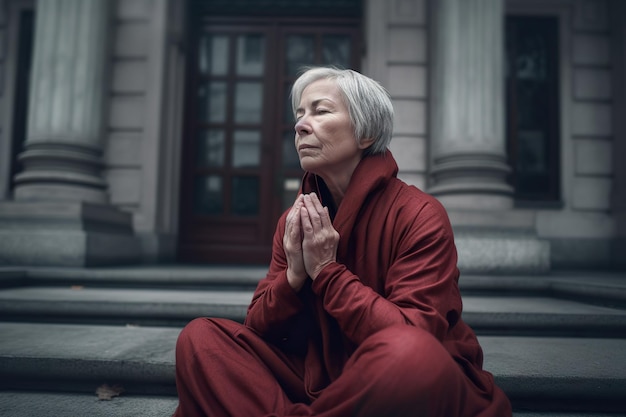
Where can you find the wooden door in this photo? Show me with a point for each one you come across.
(240, 169)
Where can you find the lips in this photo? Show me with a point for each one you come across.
(305, 146)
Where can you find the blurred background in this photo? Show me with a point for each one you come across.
(160, 131)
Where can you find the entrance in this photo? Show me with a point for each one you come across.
(240, 169)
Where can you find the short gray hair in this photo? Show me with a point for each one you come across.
(369, 105)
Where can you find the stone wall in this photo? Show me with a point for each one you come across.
(397, 56)
(127, 115)
(144, 135)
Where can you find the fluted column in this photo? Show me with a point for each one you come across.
(62, 157)
(60, 215)
(469, 161)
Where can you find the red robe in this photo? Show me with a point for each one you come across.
(395, 269)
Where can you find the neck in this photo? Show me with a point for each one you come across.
(337, 180)
(337, 185)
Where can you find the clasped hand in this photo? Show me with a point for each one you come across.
(310, 240)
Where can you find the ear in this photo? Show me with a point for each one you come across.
(365, 143)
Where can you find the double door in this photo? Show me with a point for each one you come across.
(240, 169)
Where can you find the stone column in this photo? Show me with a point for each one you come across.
(60, 214)
(468, 150)
(469, 161)
(63, 150)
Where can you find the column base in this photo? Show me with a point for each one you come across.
(499, 241)
(66, 234)
(501, 252)
(472, 181)
(60, 171)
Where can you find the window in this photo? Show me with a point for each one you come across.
(532, 87)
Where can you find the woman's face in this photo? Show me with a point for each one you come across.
(324, 133)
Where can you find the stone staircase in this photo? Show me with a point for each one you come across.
(555, 343)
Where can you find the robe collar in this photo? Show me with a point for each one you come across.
(373, 172)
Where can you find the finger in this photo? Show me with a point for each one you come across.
(312, 212)
(321, 211)
(295, 209)
(316, 202)
(305, 221)
(295, 227)
(292, 222)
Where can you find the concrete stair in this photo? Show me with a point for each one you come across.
(556, 343)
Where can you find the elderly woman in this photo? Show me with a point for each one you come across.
(360, 311)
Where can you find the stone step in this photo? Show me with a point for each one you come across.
(83, 357)
(538, 373)
(29, 404)
(141, 276)
(120, 306)
(603, 287)
(170, 307)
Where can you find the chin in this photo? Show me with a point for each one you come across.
(308, 165)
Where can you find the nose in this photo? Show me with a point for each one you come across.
(302, 127)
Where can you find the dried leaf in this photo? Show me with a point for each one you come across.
(106, 392)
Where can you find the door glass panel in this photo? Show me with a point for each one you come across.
(246, 149)
(336, 50)
(291, 186)
(213, 54)
(210, 149)
(300, 51)
(288, 111)
(245, 192)
(290, 155)
(248, 102)
(250, 55)
(212, 102)
(207, 198)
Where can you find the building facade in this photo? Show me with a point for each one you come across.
(141, 131)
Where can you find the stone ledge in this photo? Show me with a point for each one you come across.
(65, 234)
(75, 248)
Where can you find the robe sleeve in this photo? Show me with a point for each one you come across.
(420, 285)
(274, 305)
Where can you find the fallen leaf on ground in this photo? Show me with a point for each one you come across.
(107, 392)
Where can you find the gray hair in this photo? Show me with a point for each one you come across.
(369, 105)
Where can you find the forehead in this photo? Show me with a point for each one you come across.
(322, 90)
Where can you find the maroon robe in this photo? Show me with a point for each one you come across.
(379, 332)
